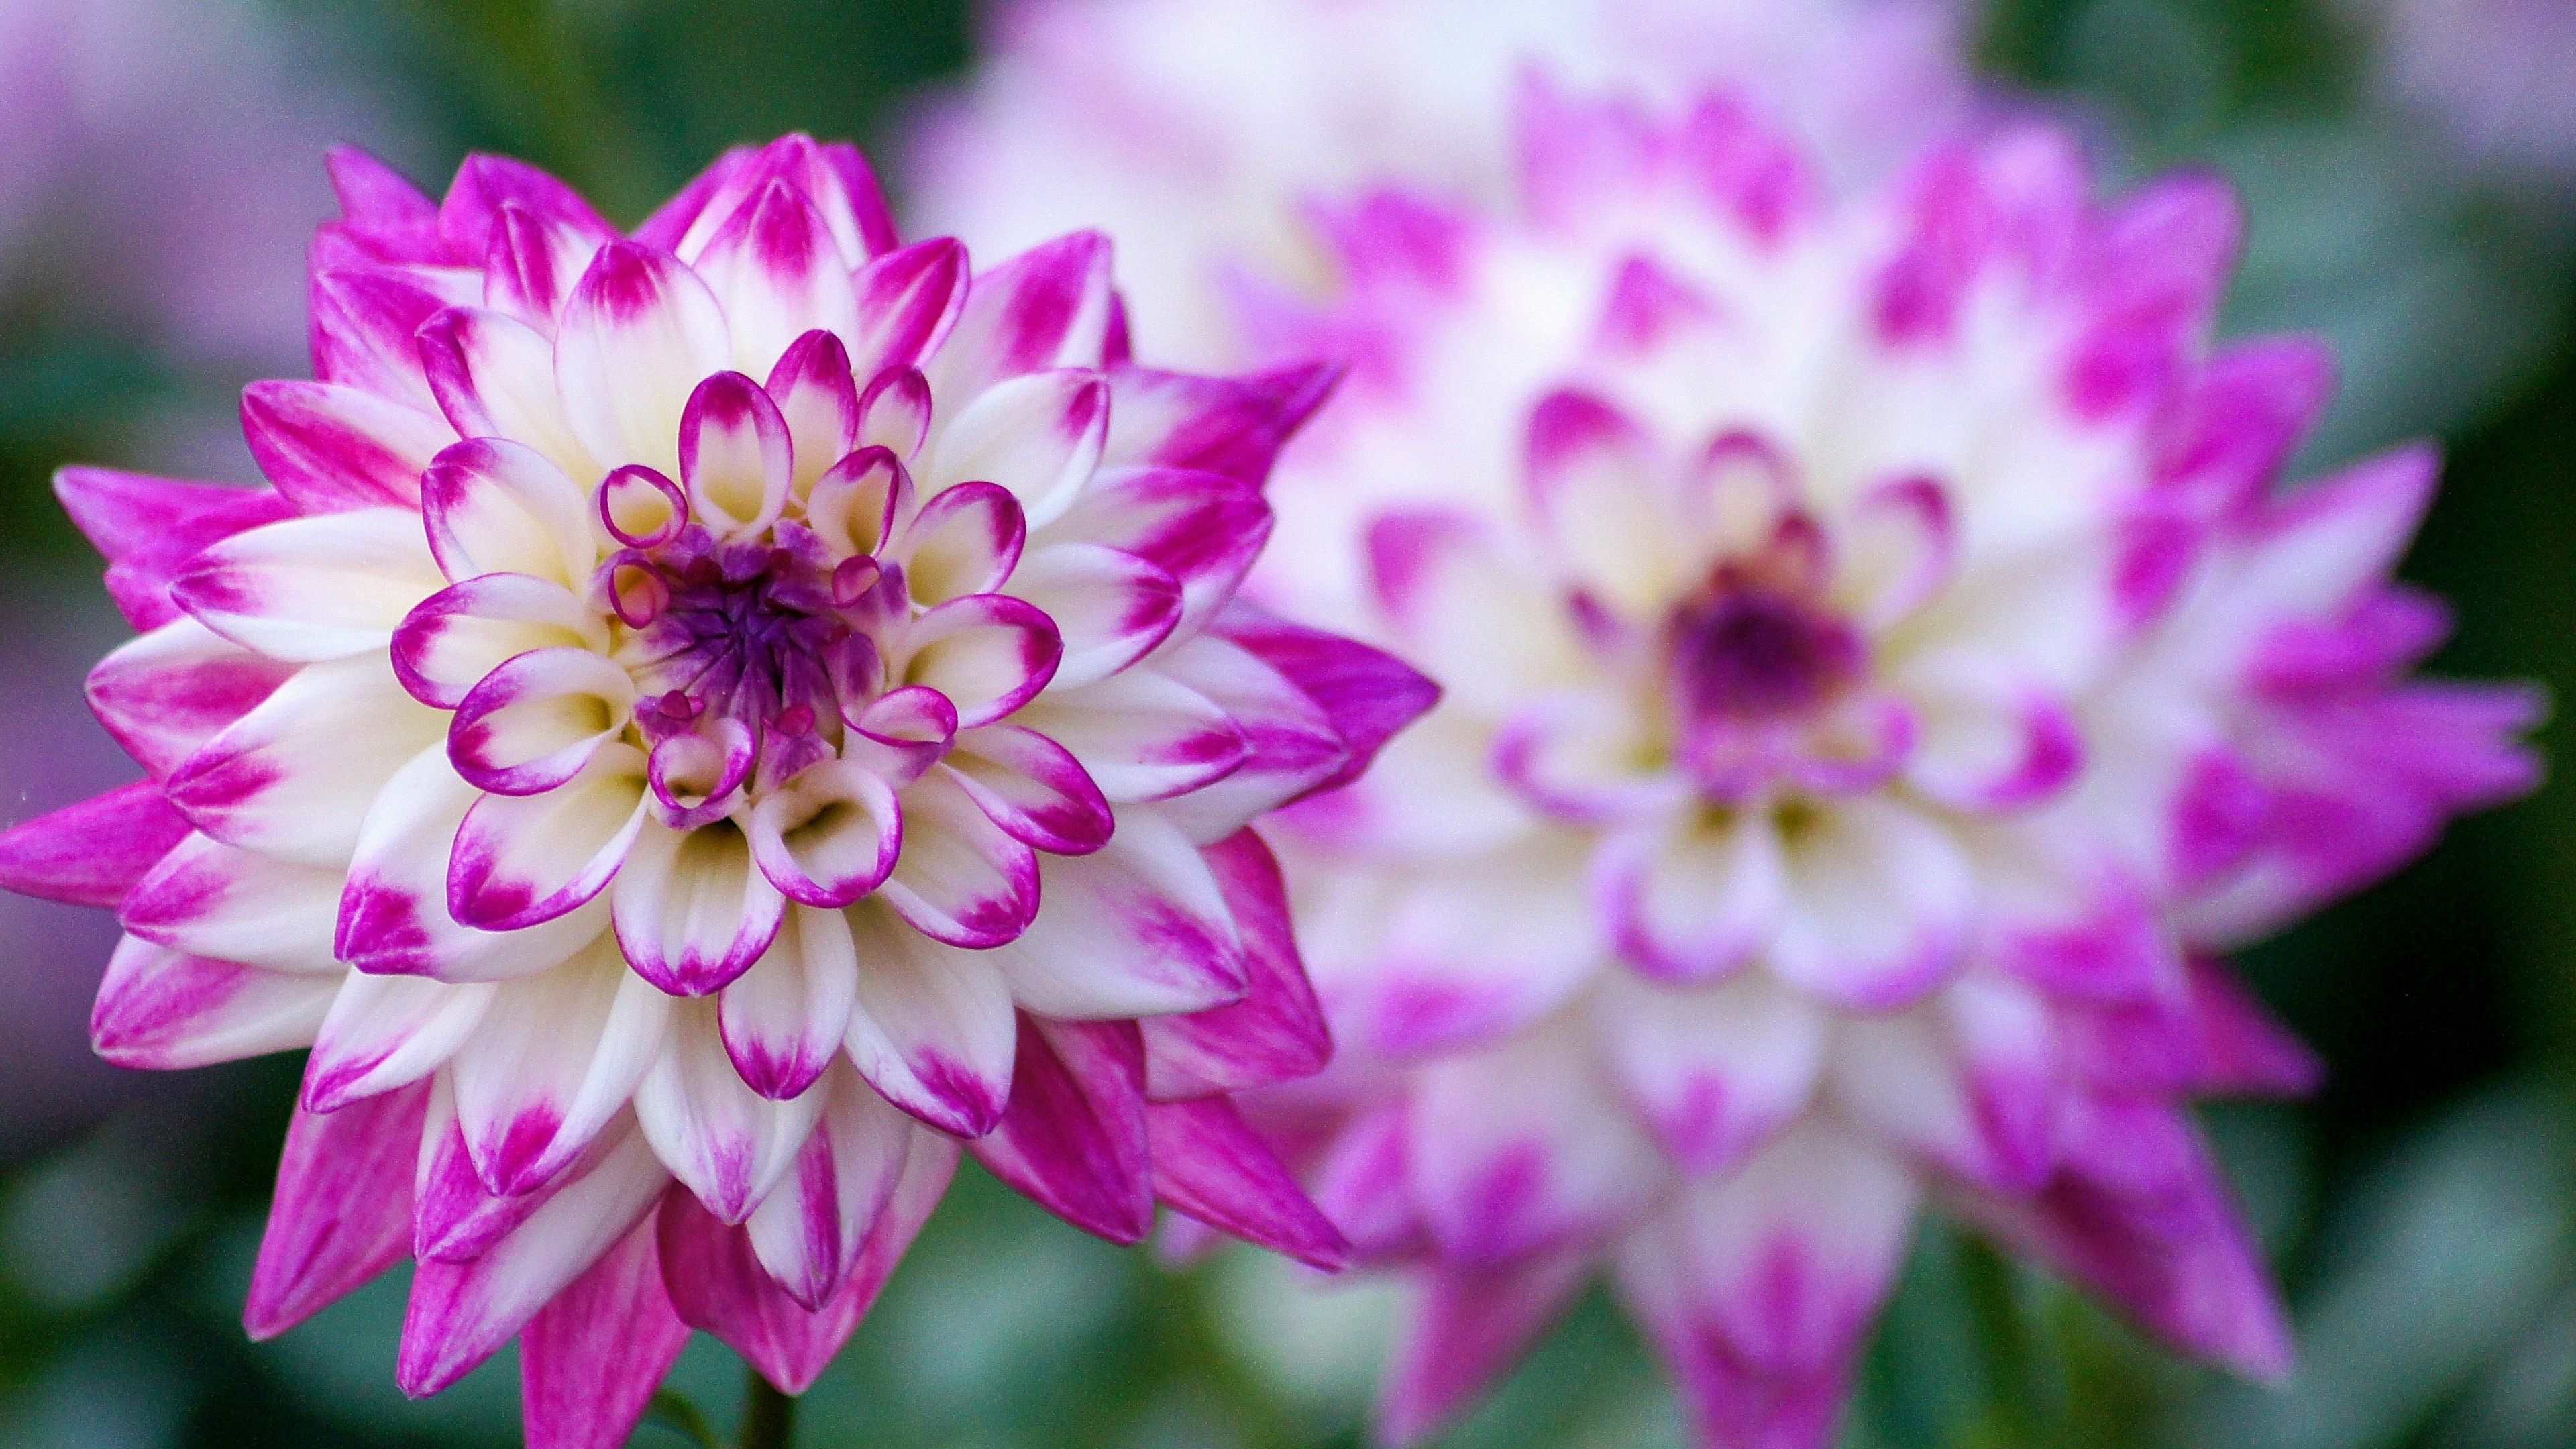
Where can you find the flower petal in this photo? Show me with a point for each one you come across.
(1136, 928)
(536, 722)
(525, 859)
(1046, 308)
(734, 456)
(819, 399)
(1111, 607)
(1276, 1033)
(778, 273)
(1141, 735)
(1038, 435)
(331, 448)
(292, 778)
(1210, 1164)
(1203, 529)
(342, 1210)
(962, 879)
(966, 539)
(308, 589)
(161, 1009)
(828, 836)
(809, 1233)
(150, 528)
(494, 506)
(933, 1029)
(207, 898)
(728, 1144)
(639, 334)
(1693, 900)
(1291, 747)
(456, 637)
(1468, 1329)
(909, 302)
(1032, 787)
(783, 1020)
(386, 1032)
(989, 653)
(557, 1057)
(92, 853)
(1877, 905)
(692, 909)
(1074, 1140)
(1715, 1071)
(591, 1360)
(494, 377)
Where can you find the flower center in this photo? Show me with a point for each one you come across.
(747, 630)
(1747, 651)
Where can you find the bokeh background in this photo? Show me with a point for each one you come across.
(159, 171)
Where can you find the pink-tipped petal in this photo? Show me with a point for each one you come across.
(92, 853)
(639, 334)
(933, 1028)
(1469, 1328)
(693, 910)
(1210, 1164)
(783, 1019)
(1276, 1033)
(591, 1360)
(330, 448)
(1074, 1139)
(342, 1210)
(162, 1010)
(725, 1142)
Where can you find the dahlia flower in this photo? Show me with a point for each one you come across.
(704, 723)
(1196, 129)
(1880, 673)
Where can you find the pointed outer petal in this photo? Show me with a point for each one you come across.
(1895, 551)
(1712, 1072)
(591, 1360)
(1210, 1164)
(92, 853)
(2249, 409)
(895, 412)
(962, 879)
(378, 203)
(909, 303)
(1692, 901)
(1467, 610)
(166, 693)
(1074, 1140)
(1141, 735)
(809, 1232)
(1276, 1033)
(2155, 275)
(724, 1289)
(462, 1312)
(1111, 607)
(965, 540)
(494, 506)
(521, 860)
(2019, 201)
(989, 653)
(725, 1142)
(494, 377)
(1607, 499)
(1782, 1265)
(2324, 544)
(1876, 910)
(330, 448)
(393, 916)
(779, 275)
(1362, 1182)
(1032, 787)
(1046, 308)
(833, 179)
(533, 262)
(640, 333)
(207, 898)
(149, 528)
(1038, 435)
(363, 318)
(1577, 755)
(819, 400)
(1292, 747)
(1969, 1080)
(784, 1019)
(1516, 1148)
(292, 778)
(342, 1211)
(1983, 747)
(161, 1010)
(692, 910)
(308, 589)
(674, 220)
(827, 837)
(1203, 529)
(2245, 1051)
(1367, 694)
(857, 503)
(539, 719)
(459, 635)
(558, 1056)
(2141, 1214)
(869, 219)
(1472, 951)
(933, 1029)
(1467, 1331)
(734, 456)
(1137, 928)
(1229, 426)
(385, 1032)
(485, 184)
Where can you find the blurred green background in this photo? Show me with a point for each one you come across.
(2422, 1210)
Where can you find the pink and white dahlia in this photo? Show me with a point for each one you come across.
(1197, 130)
(1879, 670)
(704, 723)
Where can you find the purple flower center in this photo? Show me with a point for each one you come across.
(1750, 652)
(743, 630)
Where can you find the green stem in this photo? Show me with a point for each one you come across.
(684, 1419)
(768, 1416)
(2004, 1343)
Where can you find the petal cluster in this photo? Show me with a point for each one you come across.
(1196, 129)
(705, 722)
(1880, 670)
